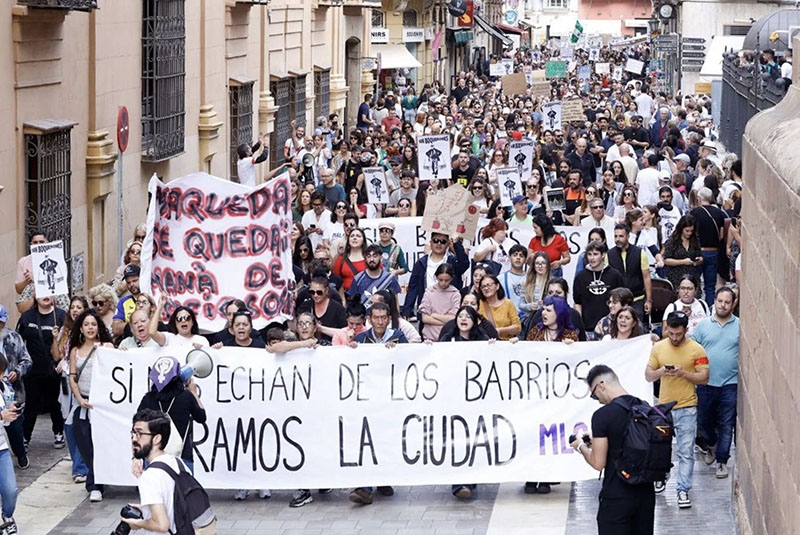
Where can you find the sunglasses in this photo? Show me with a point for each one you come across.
(341, 207)
(182, 318)
(597, 207)
(628, 194)
(439, 241)
(477, 188)
(305, 250)
(592, 395)
(98, 303)
(139, 237)
(350, 225)
(317, 292)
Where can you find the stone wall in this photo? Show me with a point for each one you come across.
(767, 479)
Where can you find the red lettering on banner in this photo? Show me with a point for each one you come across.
(236, 242)
(172, 282)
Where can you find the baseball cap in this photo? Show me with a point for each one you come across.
(164, 370)
(388, 225)
(131, 270)
(518, 198)
(3, 314)
(396, 159)
(664, 176)
(684, 158)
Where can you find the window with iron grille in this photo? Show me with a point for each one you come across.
(322, 92)
(48, 173)
(75, 5)
(377, 18)
(299, 93)
(240, 97)
(410, 18)
(163, 78)
(556, 4)
(280, 93)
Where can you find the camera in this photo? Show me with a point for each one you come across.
(586, 439)
(128, 511)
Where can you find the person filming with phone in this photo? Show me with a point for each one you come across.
(8, 482)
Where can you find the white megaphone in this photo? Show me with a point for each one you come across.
(307, 160)
(198, 363)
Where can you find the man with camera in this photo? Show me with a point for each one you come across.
(156, 512)
(624, 508)
(681, 364)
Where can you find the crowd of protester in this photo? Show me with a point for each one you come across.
(642, 172)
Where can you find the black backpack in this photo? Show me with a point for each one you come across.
(646, 455)
(191, 503)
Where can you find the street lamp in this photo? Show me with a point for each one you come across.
(653, 26)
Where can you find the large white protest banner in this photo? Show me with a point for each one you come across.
(210, 240)
(375, 181)
(520, 156)
(433, 157)
(551, 112)
(49, 269)
(340, 417)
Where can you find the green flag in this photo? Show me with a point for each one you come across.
(577, 32)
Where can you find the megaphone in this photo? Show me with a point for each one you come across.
(307, 160)
(198, 364)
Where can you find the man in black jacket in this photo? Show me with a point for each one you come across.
(582, 159)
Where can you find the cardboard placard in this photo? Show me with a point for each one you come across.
(572, 110)
(541, 88)
(538, 74)
(515, 84)
(451, 212)
(602, 68)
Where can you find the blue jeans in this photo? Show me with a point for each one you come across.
(8, 484)
(78, 466)
(685, 421)
(709, 272)
(716, 418)
(82, 429)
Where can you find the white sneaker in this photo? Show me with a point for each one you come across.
(722, 471)
(684, 502)
(241, 494)
(95, 496)
(264, 494)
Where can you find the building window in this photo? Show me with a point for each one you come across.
(410, 18)
(280, 92)
(240, 97)
(298, 91)
(322, 91)
(48, 175)
(163, 78)
(378, 19)
(556, 4)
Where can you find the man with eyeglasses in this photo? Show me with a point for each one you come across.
(424, 273)
(127, 304)
(394, 259)
(623, 508)
(598, 217)
(405, 191)
(333, 192)
(393, 173)
(681, 364)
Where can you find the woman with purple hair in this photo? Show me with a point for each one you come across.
(555, 324)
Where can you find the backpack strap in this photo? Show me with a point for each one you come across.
(167, 468)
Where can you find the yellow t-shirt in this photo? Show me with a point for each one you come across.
(504, 315)
(690, 356)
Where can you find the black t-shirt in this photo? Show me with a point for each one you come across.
(351, 171)
(464, 177)
(636, 134)
(183, 409)
(334, 317)
(37, 331)
(610, 421)
(707, 230)
(591, 292)
(255, 341)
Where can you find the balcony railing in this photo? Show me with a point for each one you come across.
(69, 5)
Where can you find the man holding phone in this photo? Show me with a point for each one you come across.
(681, 364)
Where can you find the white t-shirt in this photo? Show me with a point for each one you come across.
(430, 275)
(668, 221)
(500, 255)
(157, 487)
(644, 105)
(246, 170)
(310, 218)
(699, 311)
(333, 232)
(647, 180)
(178, 340)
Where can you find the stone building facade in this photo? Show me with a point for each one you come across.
(197, 78)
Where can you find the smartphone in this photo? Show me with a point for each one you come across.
(669, 367)
(20, 408)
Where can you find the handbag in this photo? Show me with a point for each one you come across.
(175, 443)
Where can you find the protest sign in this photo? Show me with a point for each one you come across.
(451, 212)
(538, 75)
(551, 112)
(541, 88)
(555, 69)
(515, 84)
(520, 157)
(567, 52)
(409, 235)
(508, 65)
(49, 269)
(509, 184)
(375, 182)
(594, 54)
(209, 241)
(602, 68)
(342, 417)
(554, 199)
(433, 157)
(634, 65)
(572, 110)
(496, 69)
(619, 71)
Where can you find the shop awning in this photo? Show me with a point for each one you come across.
(395, 57)
(719, 44)
(485, 26)
(510, 29)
